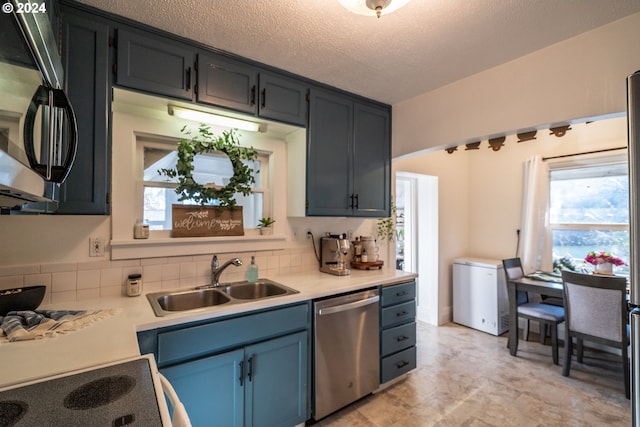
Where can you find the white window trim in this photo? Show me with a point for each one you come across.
(149, 141)
(127, 185)
(582, 161)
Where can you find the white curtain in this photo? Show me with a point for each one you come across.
(535, 235)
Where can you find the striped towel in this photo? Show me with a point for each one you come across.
(29, 325)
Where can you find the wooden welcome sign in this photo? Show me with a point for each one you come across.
(200, 221)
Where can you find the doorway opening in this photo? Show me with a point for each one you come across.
(417, 238)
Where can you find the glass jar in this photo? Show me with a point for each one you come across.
(134, 285)
(141, 230)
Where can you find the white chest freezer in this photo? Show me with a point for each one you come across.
(480, 298)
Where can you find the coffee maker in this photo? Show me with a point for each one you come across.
(333, 252)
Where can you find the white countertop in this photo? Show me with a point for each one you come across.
(115, 338)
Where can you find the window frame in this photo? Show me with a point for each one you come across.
(165, 143)
(582, 162)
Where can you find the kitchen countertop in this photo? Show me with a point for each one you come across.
(114, 338)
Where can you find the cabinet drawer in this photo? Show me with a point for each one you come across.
(397, 314)
(398, 293)
(190, 342)
(398, 338)
(395, 365)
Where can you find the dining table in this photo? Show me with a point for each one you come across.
(552, 288)
(540, 283)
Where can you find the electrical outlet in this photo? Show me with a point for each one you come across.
(96, 246)
(308, 233)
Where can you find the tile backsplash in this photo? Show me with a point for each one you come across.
(87, 280)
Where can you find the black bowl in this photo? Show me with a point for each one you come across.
(24, 298)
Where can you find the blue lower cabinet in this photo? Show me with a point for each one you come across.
(251, 370)
(398, 364)
(210, 389)
(262, 385)
(276, 393)
(397, 330)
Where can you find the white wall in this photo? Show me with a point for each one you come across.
(578, 78)
(453, 209)
(480, 192)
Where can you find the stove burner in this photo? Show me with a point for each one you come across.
(99, 392)
(11, 411)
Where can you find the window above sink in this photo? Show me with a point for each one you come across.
(138, 118)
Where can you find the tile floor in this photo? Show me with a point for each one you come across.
(467, 378)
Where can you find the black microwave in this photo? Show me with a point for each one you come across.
(38, 133)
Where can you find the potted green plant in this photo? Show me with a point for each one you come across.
(264, 224)
(387, 226)
(205, 220)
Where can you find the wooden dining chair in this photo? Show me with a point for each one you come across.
(547, 316)
(596, 311)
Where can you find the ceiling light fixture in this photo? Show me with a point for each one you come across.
(373, 7)
(213, 119)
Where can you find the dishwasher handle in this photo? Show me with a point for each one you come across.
(349, 306)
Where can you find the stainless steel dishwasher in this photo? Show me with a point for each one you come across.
(347, 350)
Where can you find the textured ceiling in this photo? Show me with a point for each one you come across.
(425, 45)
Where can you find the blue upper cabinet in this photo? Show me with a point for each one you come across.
(348, 157)
(227, 83)
(154, 64)
(239, 86)
(85, 55)
(282, 99)
(371, 160)
(329, 142)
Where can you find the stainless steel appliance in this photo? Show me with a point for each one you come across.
(37, 124)
(333, 251)
(633, 119)
(347, 350)
(120, 394)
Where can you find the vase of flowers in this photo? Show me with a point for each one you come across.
(603, 262)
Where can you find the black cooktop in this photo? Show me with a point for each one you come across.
(116, 396)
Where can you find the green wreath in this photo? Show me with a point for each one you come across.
(206, 141)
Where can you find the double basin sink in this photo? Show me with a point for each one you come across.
(167, 302)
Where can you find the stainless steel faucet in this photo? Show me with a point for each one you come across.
(217, 270)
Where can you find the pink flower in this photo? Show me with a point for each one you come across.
(596, 258)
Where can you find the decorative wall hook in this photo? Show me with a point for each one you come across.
(451, 149)
(527, 136)
(473, 146)
(560, 131)
(496, 143)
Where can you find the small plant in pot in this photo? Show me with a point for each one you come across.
(205, 220)
(264, 224)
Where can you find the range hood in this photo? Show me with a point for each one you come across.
(19, 184)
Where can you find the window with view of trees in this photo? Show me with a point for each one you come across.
(215, 168)
(589, 211)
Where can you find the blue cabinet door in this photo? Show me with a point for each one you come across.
(86, 63)
(372, 160)
(239, 86)
(156, 65)
(211, 389)
(282, 99)
(227, 83)
(278, 382)
(329, 143)
(348, 157)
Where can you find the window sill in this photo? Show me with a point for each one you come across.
(181, 246)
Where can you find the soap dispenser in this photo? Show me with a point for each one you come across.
(252, 271)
